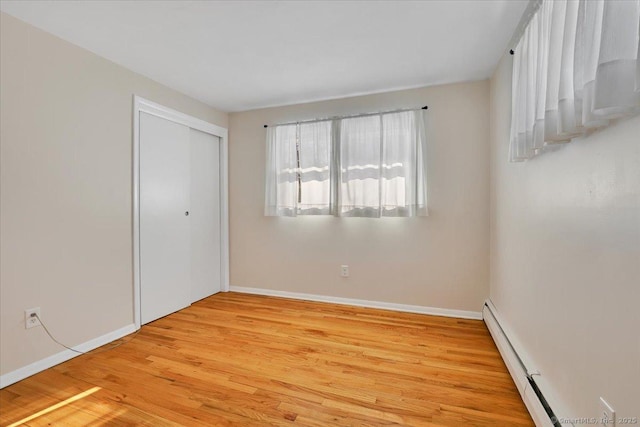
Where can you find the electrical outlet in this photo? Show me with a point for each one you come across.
(344, 271)
(30, 320)
(607, 414)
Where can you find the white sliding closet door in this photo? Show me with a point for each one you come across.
(165, 234)
(205, 215)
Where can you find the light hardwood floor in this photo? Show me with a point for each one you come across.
(236, 359)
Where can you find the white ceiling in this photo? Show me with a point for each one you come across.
(240, 55)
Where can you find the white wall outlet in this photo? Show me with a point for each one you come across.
(344, 271)
(30, 320)
(607, 414)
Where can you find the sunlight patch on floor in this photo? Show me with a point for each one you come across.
(56, 406)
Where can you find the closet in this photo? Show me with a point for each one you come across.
(180, 245)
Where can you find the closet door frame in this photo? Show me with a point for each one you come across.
(143, 105)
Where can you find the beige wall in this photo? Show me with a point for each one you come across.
(565, 260)
(66, 143)
(437, 261)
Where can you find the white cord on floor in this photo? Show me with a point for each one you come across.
(78, 351)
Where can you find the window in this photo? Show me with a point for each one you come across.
(576, 67)
(366, 166)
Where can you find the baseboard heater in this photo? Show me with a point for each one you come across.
(535, 402)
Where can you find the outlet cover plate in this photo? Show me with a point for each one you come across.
(31, 322)
(344, 271)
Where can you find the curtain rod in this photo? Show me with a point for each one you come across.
(527, 16)
(349, 117)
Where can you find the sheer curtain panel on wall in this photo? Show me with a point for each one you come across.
(576, 67)
(372, 165)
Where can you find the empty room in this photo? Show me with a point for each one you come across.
(320, 213)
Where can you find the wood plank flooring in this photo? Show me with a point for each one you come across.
(237, 359)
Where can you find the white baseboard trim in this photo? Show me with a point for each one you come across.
(462, 314)
(55, 359)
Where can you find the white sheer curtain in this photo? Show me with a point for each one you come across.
(315, 161)
(383, 159)
(576, 67)
(281, 190)
(369, 166)
(360, 167)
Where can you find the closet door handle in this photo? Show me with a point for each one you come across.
(186, 213)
